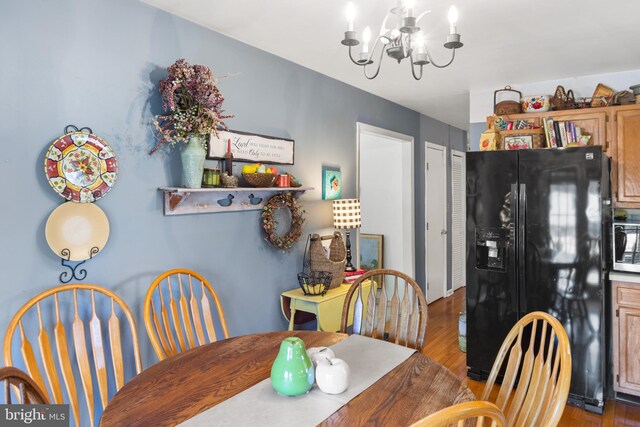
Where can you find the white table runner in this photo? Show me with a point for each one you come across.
(369, 360)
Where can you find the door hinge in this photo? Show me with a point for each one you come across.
(427, 285)
(618, 379)
(427, 166)
(617, 312)
(427, 226)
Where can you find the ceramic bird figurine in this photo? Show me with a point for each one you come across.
(226, 202)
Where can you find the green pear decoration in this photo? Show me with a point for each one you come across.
(292, 372)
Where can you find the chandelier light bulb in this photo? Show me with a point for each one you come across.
(408, 4)
(395, 33)
(453, 19)
(351, 14)
(420, 42)
(366, 38)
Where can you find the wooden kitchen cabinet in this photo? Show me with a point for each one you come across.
(626, 337)
(627, 156)
(592, 120)
(617, 130)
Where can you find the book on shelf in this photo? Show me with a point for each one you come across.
(358, 272)
(550, 132)
(563, 133)
(351, 279)
(352, 276)
(574, 133)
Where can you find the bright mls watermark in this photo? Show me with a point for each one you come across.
(34, 415)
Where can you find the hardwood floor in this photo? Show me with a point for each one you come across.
(442, 345)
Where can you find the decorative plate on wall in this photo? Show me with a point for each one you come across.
(80, 166)
(77, 231)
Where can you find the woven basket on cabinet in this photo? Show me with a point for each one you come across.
(337, 257)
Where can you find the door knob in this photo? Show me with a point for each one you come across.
(443, 231)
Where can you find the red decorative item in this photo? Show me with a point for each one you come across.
(283, 181)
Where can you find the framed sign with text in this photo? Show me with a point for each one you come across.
(248, 147)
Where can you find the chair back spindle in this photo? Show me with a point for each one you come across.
(62, 361)
(176, 318)
(26, 389)
(395, 308)
(537, 375)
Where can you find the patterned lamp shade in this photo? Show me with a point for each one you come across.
(346, 213)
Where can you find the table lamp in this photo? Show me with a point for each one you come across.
(346, 215)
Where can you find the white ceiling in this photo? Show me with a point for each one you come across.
(506, 42)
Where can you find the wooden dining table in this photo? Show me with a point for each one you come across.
(182, 386)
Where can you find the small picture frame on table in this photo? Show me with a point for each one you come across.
(519, 142)
(371, 250)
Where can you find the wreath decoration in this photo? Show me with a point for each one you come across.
(270, 225)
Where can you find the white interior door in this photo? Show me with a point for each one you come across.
(385, 189)
(458, 218)
(436, 216)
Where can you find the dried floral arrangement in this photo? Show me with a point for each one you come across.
(193, 104)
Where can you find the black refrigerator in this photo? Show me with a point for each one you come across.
(537, 239)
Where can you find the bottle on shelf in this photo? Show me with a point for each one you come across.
(228, 159)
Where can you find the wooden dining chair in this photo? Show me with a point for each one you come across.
(27, 390)
(395, 312)
(536, 380)
(485, 413)
(64, 307)
(176, 324)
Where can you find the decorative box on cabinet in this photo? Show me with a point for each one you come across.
(626, 337)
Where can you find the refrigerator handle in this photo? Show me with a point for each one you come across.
(513, 246)
(521, 252)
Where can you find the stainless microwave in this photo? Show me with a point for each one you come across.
(626, 246)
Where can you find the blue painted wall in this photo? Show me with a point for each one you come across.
(96, 63)
(475, 130)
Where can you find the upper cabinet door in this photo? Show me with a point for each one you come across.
(628, 158)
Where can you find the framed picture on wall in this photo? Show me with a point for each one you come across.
(250, 147)
(331, 183)
(371, 246)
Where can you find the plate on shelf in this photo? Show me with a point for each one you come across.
(81, 167)
(77, 231)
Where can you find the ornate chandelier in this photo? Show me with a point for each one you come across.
(404, 40)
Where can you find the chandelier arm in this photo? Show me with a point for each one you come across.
(453, 56)
(353, 60)
(413, 71)
(377, 69)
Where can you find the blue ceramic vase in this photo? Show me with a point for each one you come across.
(292, 372)
(192, 157)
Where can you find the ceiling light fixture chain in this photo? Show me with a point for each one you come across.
(406, 40)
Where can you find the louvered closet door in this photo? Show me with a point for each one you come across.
(458, 215)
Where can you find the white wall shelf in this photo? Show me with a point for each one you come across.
(184, 201)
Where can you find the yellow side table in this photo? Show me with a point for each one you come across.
(327, 308)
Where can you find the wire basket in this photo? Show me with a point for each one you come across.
(315, 283)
